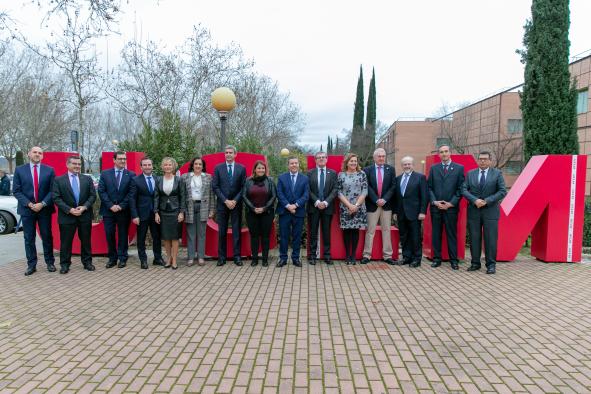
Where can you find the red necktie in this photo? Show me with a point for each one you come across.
(36, 183)
(380, 181)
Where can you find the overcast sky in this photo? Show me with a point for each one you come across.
(425, 52)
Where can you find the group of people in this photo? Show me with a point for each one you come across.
(161, 204)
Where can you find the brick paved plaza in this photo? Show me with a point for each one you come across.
(370, 328)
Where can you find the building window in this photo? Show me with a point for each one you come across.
(582, 101)
(513, 167)
(514, 126)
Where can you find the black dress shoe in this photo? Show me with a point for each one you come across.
(64, 270)
(122, 264)
(30, 271)
(297, 263)
(51, 268)
(406, 261)
(473, 267)
(158, 262)
(111, 264)
(312, 261)
(265, 263)
(454, 265)
(281, 263)
(392, 262)
(238, 262)
(255, 262)
(89, 267)
(415, 264)
(364, 260)
(491, 270)
(435, 264)
(221, 262)
(328, 261)
(144, 265)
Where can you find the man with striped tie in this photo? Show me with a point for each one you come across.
(74, 195)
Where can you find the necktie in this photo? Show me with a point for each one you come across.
(321, 185)
(36, 182)
(293, 181)
(404, 183)
(230, 171)
(482, 180)
(118, 178)
(76, 188)
(150, 187)
(445, 169)
(380, 181)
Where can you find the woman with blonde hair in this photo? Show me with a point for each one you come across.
(352, 190)
(169, 208)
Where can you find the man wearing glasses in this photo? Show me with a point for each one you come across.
(484, 188)
(115, 186)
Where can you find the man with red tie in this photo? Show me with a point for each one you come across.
(32, 186)
(381, 185)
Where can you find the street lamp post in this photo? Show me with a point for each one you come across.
(224, 101)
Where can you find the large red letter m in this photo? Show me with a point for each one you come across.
(548, 202)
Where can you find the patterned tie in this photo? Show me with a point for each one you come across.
(150, 187)
(445, 169)
(118, 178)
(76, 188)
(230, 171)
(380, 181)
(482, 180)
(403, 184)
(36, 183)
(321, 185)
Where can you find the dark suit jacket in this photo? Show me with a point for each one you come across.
(141, 202)
(415, 198)
(5, 186)
(446, 187)
(226, 188)
(271, 195)
(330, 190)
(110, 195)
(24, 191)
(388, 187)
(63, 196)
(175, 201)
(493, 192)
(298, 195)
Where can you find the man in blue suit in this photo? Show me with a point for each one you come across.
(227, 183)
(114, 188)
(292, 193)
(32, 185)
(141, 205)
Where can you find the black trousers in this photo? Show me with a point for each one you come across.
(259, 226)
(314, 218)
(477, 226)
(235, 216)
(142, 231)
(67, 232)
(449, 219)
(410, 237)
(350, 239)
(30, 223)
(117, 246)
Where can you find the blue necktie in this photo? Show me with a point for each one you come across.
(150, 188)
(321, 185)
(76, 189)
(118, 178)
(230, 171)
(403, 184)
(293, 181)
(482, 180)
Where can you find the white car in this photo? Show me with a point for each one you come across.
(8, 216)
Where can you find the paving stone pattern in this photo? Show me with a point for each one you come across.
(314, 329)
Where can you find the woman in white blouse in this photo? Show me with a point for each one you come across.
(199, 206)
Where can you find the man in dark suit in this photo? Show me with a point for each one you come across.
(445, 184)
(114, 188)
(227, 183)
(4, 184)
(292, 194)
(484, 188)
(381, 185)
(74, 195)
(323, 190)
(141, 205)
(411, 206)
(32, 188)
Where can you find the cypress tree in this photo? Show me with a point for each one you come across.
(549, 99)
(370, 120)
(357, 132)
(20, 158)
